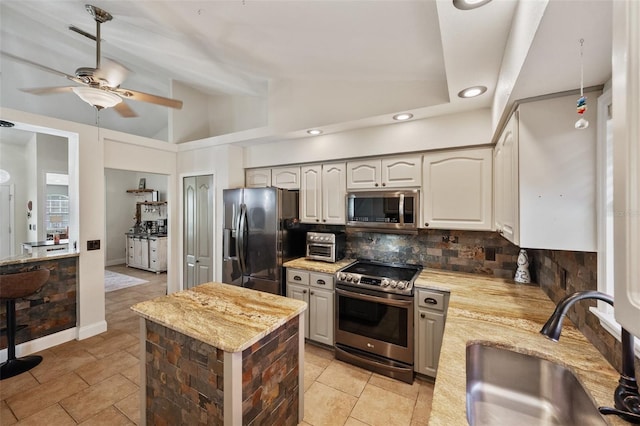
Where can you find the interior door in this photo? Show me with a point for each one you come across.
(7, 242)
(198, 230)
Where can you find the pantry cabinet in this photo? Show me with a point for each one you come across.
(545, 177)
(430, 316)
(457, 189)
(392, 172)
(322, 194)
(147, 252)
(317, 290)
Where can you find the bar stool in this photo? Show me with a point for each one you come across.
(12, 287)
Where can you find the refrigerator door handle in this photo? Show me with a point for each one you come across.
(240, 241)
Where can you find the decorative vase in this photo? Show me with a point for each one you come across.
(522, 273)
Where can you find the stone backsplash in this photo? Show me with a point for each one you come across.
(563, 272)
(475, 252)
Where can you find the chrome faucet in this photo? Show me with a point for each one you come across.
(626, 397)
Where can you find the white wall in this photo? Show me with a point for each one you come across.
(119, 214)
(454, 130)
(13, 158)
(32, 188)
(192, 121)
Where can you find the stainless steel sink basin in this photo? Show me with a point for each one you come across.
(509, 388)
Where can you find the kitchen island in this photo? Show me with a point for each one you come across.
(221, 354)
(502, 313)
(49, 311)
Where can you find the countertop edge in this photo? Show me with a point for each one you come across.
(18, 259)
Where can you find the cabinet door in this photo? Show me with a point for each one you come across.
(321, 316)
(402, 172)
(363, 174)
(144, 253)
(130, 252)
(507, 182)
(137, 253)
(257, 178)
(310, 194)
(334, 191)
(300, 292)
(458, 189)
(286, 177)
(428, 341)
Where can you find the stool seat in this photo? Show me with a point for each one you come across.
(12, 287)
(22, 284)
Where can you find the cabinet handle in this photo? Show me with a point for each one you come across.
(297, 278)
(422, 316)
(376, 184)
(317, 220)
(304, 291)
(426, 224)
(311, 293)
(321, 282)
(431, 301)
(197, 261)
(384, 184)
(324, 220)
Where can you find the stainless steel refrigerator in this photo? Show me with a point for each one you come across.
(259, 235)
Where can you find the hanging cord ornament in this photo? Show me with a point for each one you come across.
(582, 123)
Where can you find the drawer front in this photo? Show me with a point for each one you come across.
(431, 300)
(297, 276)
(321, 281)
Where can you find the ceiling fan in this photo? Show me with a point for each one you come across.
(99, 86)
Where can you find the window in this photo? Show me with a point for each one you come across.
(56, 210)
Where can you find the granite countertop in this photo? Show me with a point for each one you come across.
(318, 266)
(506, 314)
(27, 258)
(228, 317)
(144, 235)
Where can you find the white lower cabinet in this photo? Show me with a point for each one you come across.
(430, 315)
(148, 253)
(317, 290)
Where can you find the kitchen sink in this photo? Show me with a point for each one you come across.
(506, 387)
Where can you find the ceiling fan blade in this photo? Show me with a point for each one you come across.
(124, 110)
(146, 97)
(111, 71)
(34, 64)
(47, 90)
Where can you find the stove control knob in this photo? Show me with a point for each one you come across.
(342, 276)
(402, 285)
(385, 282)
(349, 277)
(394, 283)
(356, 279)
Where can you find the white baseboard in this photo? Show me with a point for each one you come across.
(92, 330)
(42, 343)
(114, 262)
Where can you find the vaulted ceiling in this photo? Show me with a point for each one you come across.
(243, 47)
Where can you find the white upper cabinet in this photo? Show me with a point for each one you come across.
(457, 189)
(546, 177)
(286, 177)
(322, 193)
(257, 178)
(505, 166)
(393, 172)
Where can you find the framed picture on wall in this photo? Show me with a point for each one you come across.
(142, 184)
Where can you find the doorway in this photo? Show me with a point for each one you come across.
(198, 230)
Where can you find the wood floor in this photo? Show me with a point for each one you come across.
(96, 381)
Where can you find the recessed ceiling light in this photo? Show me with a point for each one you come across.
(403, 116)
(469, 4)
(314, 132)
(471, 92)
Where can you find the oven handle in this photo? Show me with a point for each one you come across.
(366, 297)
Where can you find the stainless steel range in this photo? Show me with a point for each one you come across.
(374, 317)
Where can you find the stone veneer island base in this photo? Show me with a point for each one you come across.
(222, 355)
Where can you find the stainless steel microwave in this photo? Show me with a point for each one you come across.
(384, 211)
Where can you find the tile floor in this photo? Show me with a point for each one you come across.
(96, 381)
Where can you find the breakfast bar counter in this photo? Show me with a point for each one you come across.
(222, 354)
(501, 313)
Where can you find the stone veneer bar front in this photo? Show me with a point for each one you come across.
(220, 354)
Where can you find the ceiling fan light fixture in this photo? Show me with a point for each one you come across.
(96, 97)
(472, 92)
(469, 4)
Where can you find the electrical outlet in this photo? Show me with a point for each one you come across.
(93, 245)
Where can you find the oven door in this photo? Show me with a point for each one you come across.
(375, 322)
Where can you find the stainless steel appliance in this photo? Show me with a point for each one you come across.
(259, 235)
(374, 317)
(326, 246)
(384, 211)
